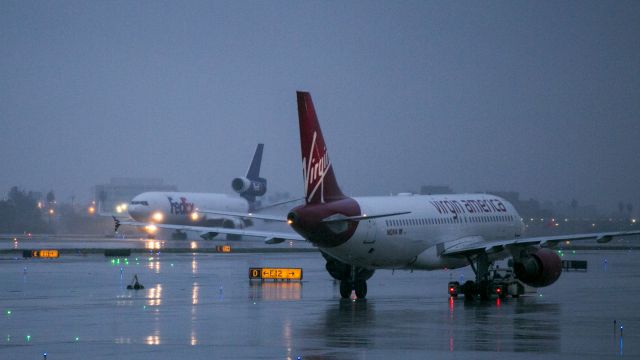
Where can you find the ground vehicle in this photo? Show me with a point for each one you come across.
(499, 281)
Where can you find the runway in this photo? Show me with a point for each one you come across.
(203, 306)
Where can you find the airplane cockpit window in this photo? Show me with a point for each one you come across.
(140, 203)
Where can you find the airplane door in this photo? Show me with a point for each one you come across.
(371, 229)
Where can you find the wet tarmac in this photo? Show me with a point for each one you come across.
(202, 306)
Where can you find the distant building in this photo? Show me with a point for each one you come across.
(435, 190)
(122, 190)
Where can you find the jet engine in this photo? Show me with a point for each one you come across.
(541, 268)
(249, 189)
(233, 224)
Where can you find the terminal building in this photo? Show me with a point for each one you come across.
(111, 197)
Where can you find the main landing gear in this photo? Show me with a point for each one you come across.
(352, 278)
(359, 286)
(489, 281)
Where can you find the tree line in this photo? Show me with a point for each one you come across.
(19, 213)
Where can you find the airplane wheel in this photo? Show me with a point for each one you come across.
(484, 290)
(361, 289)
(469, 289)
(345, 289)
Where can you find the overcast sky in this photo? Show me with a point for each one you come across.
(537, 97)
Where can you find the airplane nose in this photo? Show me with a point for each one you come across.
(137, 213)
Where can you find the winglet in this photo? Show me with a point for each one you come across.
(117, 224)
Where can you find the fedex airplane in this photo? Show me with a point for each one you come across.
(358, 235)
(179, 208)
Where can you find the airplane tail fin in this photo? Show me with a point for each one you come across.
(252, 185)
(254, 168)
(320, 184)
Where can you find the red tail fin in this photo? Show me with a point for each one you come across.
(320, 183)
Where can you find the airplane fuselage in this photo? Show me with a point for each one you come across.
(178, 207)
(435, 222)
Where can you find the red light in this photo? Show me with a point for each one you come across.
(451, 290)
(498, 290)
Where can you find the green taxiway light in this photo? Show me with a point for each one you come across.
(8, 312)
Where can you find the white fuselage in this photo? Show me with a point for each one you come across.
(435, 223)
(178, 207)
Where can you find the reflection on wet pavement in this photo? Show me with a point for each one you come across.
(202, 302)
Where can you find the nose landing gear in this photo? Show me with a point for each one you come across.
(352, 278)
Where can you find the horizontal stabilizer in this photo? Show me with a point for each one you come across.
(244, 215)
(278, 204)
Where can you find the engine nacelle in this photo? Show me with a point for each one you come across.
(249, 189)
(539, 269)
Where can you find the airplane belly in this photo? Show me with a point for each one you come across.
(430, 259)
(361, 251)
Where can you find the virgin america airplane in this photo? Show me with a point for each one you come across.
(357, 235)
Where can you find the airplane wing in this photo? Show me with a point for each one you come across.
(270, 237)
(473, 246)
